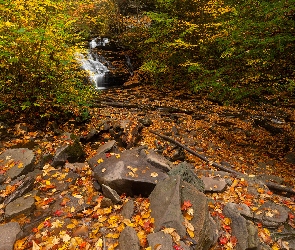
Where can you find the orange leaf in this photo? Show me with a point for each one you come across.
(186, 204)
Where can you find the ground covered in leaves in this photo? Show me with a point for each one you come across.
(252, 139)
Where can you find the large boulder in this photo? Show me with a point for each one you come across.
(17, 161)
(9, 232)
(129, 172)
(166, 201)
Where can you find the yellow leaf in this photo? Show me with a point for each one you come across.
(154, 174)
(113, 235)
(21, 165)
(35, 246)
(118, 156)
(103, 170)
(190, 233)
(71, 226)
(99, 243)
(227, 221)
(100, 160)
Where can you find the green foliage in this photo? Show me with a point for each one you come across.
(229, 49)
(37, 47)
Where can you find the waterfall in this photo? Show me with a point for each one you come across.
(93, 64)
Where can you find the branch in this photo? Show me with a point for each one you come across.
(270, 185)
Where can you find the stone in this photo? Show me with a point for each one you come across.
(128, 239)
(68, 153)
(106, 147)
(145, 121)
(19, 206)
(160, 240)
(271, 214)
(128, 209)
(241, 209)
(9, 233)
(253, 240)
(106, 202)
(20, 161)
(165, 204)
(214, 184)
(238, 226)
(290, 157)
(111, 194)
(157, 160)
(205, 233)
(128, 172)
(184, 170)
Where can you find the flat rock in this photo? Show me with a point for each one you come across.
(213, 184)
(9, 232)
(20, 161)
(165, 204)
(271, 214)
(128, 172)
(157, 160)
(19, 206)
(160, 240)
(106, 147)
(128, 239)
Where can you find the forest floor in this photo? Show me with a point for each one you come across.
(255, 139)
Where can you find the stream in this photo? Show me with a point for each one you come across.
(100, 70)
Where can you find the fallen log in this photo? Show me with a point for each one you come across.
(269, 184)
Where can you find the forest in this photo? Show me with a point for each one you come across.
(206, 107)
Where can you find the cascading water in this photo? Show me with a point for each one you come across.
(93, 64)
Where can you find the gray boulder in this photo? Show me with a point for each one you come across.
(20, 161)
(68, 153)
(128, 172)
(128, 239)
(160, 239)
(9, 232)
(19, 206)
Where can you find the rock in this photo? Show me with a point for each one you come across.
(106, 147)
(9, 232)
(214, 184)
(106, 202)
(20, 161)
(128, 239)
(241, 209)
(165, 204)
(81, 231)
(238, 226)
(253, 240)
(146, 121)
(76, 166)
(271, 214)
(160, 240)
(71, 153)
(128, 209)
(157, 160)
(19, 206)
(91, 136)
(128, 172)
(111, 194)
(205, 229)
(184, 170)
(290, 157)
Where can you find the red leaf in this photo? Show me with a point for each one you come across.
(47, 223)
(186, 204)
(108, 155)
(58, 212)
(223, 240)
(233, 240)
(177, 247)
(291, 216)
(226, 227)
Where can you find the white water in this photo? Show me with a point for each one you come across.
(93, 65)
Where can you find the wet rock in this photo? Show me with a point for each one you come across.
(214, 184)
(128, 172)
(271, 214)
(68, 153)
(160, 239)
(20, 161)
(184, 170)
(128, 239)
(22, 205)
(9, 232)
(128, 209)
(205, 231)
(165, 204)
(111, 194)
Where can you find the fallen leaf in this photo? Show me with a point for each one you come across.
(154, 174)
